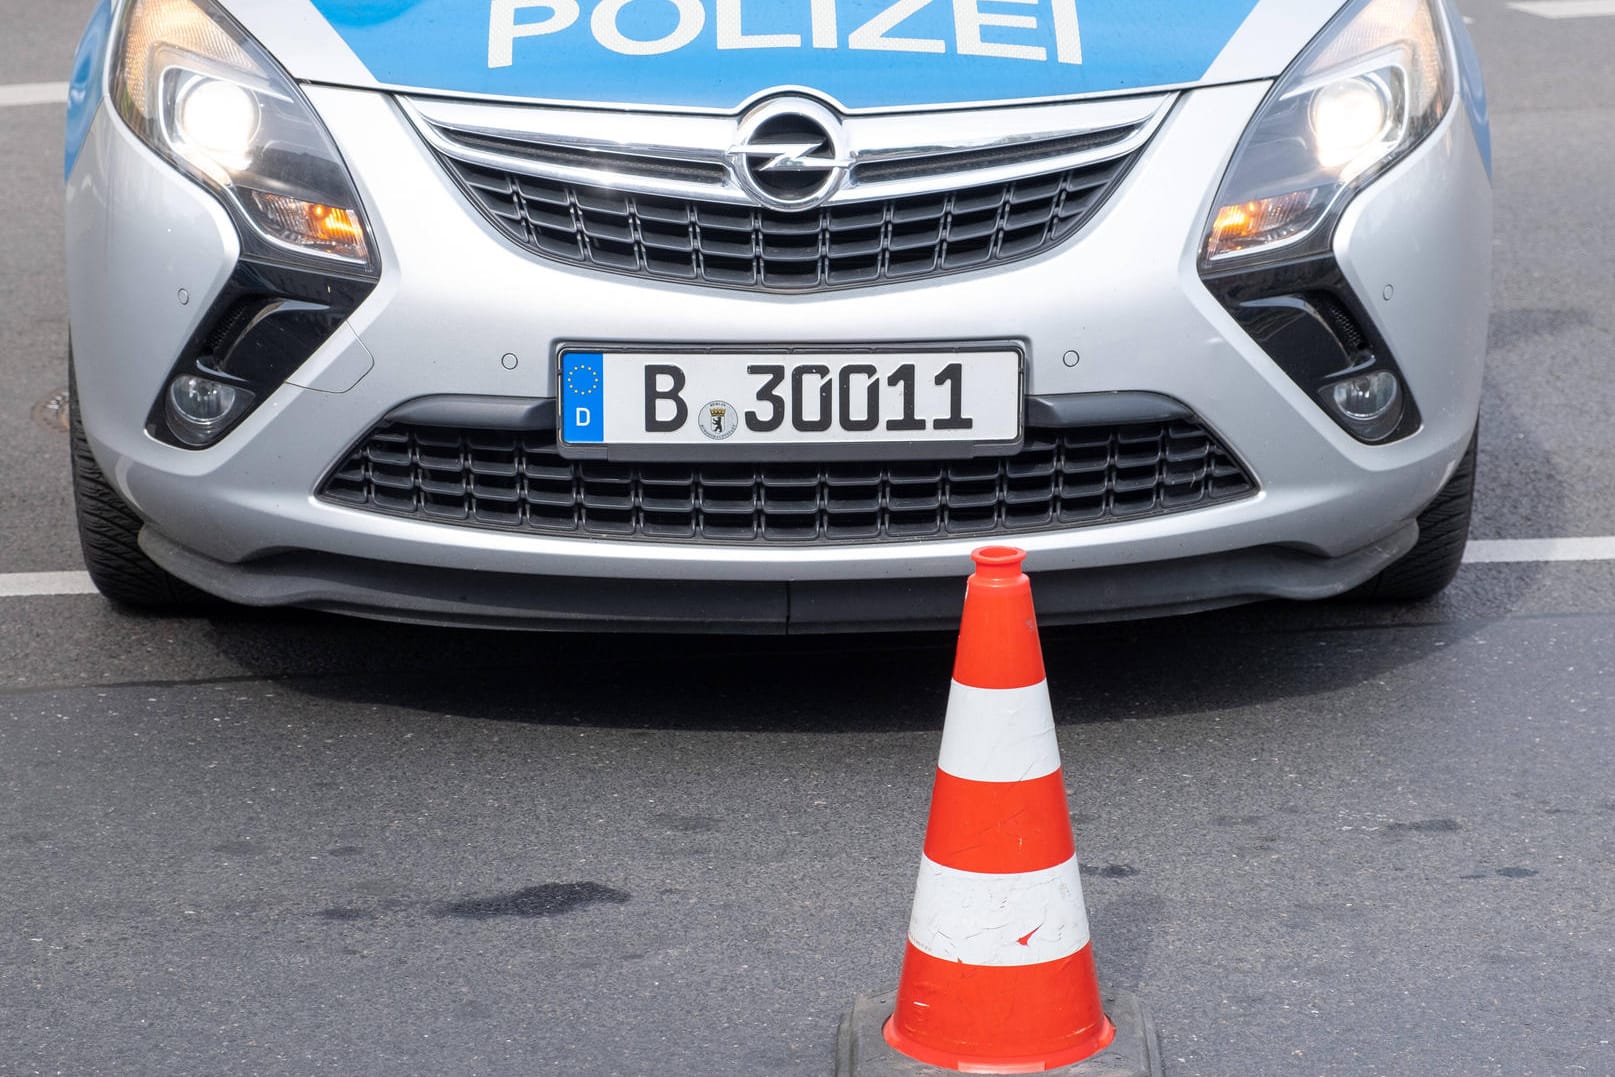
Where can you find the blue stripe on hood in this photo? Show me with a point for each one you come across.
(715, 54)
(84, 91)
(1474, 84)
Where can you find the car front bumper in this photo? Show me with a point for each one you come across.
(460, 312)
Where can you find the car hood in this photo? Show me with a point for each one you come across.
(862, 55)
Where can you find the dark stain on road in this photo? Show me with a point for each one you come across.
(474, 1011)
(1235, 820)
(1425, 826)
(345, 850)
(238, 848)
(550, 899)
(346, 914)
(1522, 324)
(1507, 873)
(1111, 871)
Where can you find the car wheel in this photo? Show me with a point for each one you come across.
(109, 532)
(1424, 571)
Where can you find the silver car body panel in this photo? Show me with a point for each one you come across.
(1273, 34)
(1125, 294)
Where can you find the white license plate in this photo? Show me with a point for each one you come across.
(636, 404)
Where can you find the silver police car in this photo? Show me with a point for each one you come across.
(760, 314)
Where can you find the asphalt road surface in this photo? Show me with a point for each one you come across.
(1317, 839)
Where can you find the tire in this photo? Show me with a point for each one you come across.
(109, 532)
(1426, 570)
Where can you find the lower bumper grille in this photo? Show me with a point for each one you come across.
(516, 480)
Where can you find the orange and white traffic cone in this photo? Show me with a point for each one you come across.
(998, 976)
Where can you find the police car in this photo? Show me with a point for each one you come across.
(761, 314)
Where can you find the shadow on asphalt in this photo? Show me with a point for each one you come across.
(1098, 673)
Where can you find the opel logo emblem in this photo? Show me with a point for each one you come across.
(790, 154)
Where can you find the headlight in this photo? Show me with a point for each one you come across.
(203, 94)
(1367, 91)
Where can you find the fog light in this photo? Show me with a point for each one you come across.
(199, 409)
(1371, 403)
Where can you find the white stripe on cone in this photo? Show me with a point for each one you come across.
(1021, 919)
(999, 734)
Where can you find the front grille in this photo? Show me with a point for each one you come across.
(837, 246)
(516, 480)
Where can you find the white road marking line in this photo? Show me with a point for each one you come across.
(33, 93)
(1479, 552)
(1520, 551)
(39, 584)
(1565, 9)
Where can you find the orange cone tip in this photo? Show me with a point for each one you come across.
(998, 645)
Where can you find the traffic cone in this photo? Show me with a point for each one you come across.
(998, 975)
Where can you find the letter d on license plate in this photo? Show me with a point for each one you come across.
(810, 405)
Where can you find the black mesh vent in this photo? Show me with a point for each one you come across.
(1339, 320)
(516, 480)
(838, 246)
(232, 321)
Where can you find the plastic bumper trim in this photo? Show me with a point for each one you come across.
(423, 595)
